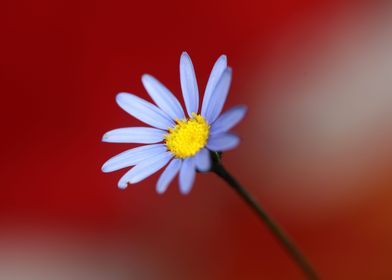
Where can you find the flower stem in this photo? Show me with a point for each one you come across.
(279, 234)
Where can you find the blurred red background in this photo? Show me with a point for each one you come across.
(315, 145)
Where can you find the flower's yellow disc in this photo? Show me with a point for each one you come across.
(188, 136)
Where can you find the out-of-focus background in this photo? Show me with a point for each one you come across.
(316, 144)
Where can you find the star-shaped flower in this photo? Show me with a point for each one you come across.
(180, 140)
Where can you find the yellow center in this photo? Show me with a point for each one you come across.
(188, 136)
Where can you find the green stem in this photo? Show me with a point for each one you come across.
(279, 234)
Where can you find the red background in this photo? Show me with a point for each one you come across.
(62, 62)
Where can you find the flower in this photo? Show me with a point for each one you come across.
(180, 141)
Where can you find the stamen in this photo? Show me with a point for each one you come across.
(188, 136)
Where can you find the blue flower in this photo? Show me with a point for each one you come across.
(180, 140)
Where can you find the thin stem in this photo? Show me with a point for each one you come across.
(279, 234)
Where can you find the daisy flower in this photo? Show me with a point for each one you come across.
(181, 140)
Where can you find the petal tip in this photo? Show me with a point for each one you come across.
(105, 138)
(204, 169)
(160, 191)
(184, 54)
(104, 168)
(186, 188)
(243, 108)
(120, 97)
(185, 192)
(223, 57)
(122, 185)
(146, 77)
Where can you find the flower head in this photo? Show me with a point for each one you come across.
(181, 141)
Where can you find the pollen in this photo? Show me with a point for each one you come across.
(188, 136)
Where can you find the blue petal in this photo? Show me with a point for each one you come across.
(168, 174)
(163, 97)
(132, 157)
(219, 96)
(143, 110)
(189, 87)
(217, 71)
(228, 119)
(142, 135)
(203, 160)
(144, 169)
(222, 142)
(187, 175)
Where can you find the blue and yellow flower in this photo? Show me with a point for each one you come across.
(180, 141)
